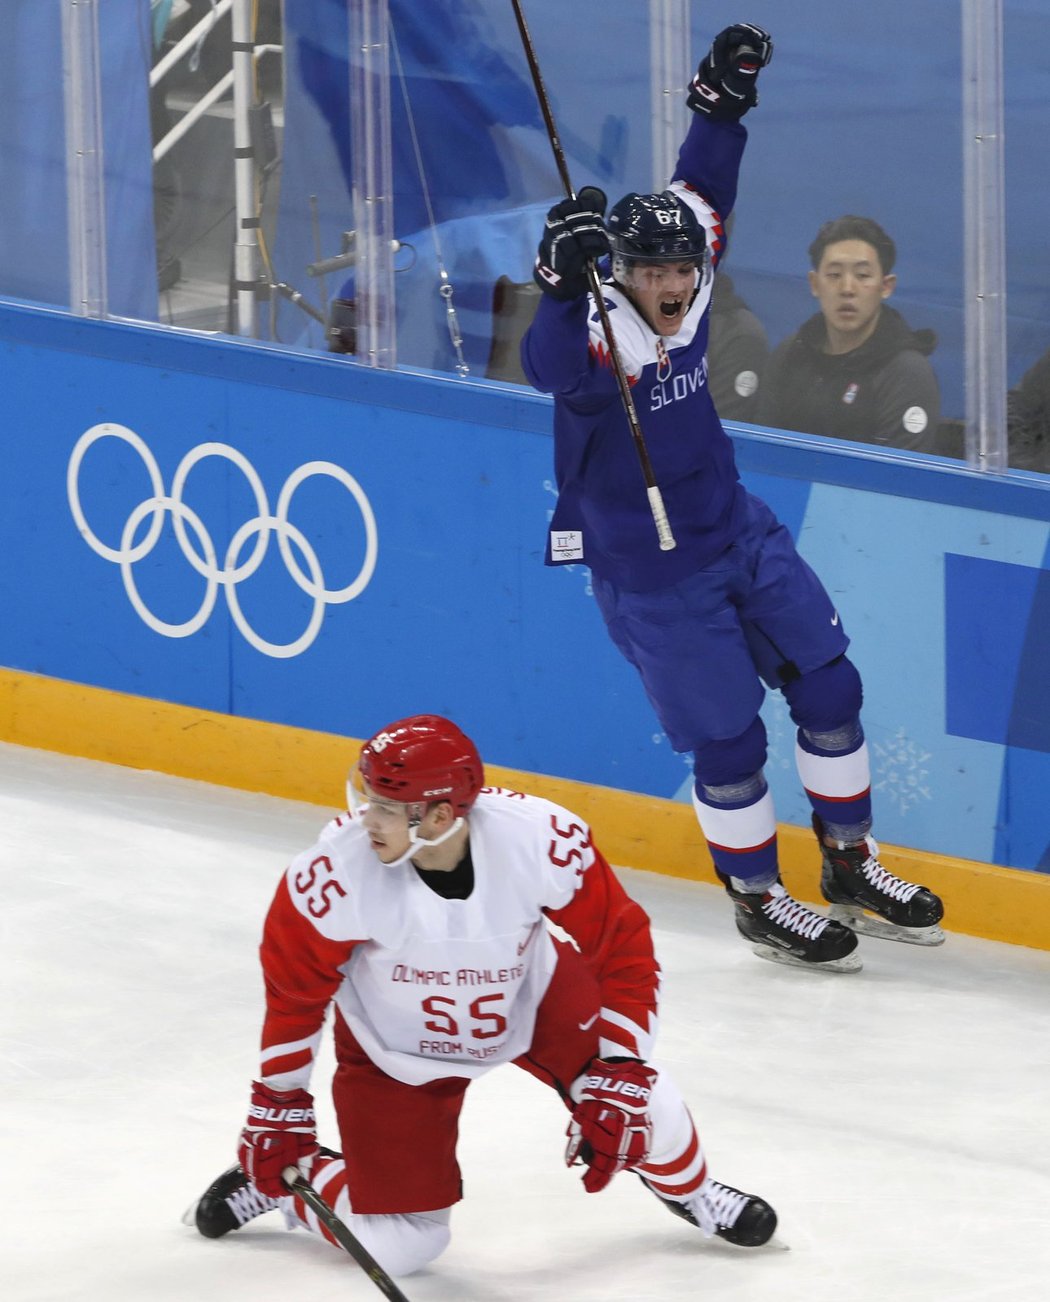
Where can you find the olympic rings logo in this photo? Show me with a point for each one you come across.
(199, 550)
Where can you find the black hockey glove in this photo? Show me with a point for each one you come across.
(724, 87)
(574, 233)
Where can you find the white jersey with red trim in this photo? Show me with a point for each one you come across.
(434, 987)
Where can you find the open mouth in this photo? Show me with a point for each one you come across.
(671, 308)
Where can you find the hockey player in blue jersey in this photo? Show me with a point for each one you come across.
(733, 605)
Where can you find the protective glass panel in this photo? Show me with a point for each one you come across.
(858, 117)
(471, 167)
(302, 174)
(1026, 114)
(76, 220)
(215, 119)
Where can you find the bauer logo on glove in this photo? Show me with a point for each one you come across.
(612, 1085)
(282, 1116)
(611, 1129)
(281, 1131)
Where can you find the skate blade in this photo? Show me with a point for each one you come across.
(870, 924)
(849, 963)
(774, 1244)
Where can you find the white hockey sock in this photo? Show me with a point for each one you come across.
(742, 840)
(401, 1242)
(836, 786)
(675, 1167)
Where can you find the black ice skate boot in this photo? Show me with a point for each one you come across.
(229, 1202)
(785, 931)
(740, 1218)
(871, 900)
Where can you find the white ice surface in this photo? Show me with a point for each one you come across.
(897, 1118)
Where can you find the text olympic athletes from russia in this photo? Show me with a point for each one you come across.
(445, 1048)
(464, 976)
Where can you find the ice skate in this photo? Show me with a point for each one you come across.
(784, 931)
(229, 1202)
(740, 1218)
(871, 900)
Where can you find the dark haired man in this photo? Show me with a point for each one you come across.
(1028, 418)
(855, 370)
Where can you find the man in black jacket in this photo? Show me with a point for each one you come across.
(737, 353)
(855, 370)
(1028, 418)
(737, 346)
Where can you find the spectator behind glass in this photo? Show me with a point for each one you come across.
(737, 348)
(1028, 418)
(855, 370)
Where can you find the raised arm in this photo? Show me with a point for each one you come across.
(723, 90)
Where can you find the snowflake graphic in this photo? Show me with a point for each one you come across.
(901, 772)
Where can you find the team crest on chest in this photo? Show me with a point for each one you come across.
(663, 361)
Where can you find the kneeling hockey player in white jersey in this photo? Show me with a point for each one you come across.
(420, 917)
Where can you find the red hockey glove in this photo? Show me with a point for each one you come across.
(611, 1129)
(724, 87)
(281, 1131)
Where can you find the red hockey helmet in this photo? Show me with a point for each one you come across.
(422, 759)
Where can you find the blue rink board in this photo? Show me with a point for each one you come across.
(418, 505)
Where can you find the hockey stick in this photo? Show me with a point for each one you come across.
(656, 501)
(302, 1187)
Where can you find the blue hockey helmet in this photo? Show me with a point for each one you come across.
(654, 228)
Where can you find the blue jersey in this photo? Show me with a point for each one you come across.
(603, 518)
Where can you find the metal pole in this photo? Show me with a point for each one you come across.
(984, 209)
(246, 245)
(85, 183)
(669, 72)
(372, 182)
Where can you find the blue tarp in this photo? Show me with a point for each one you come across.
(34, 258)
(467, 99)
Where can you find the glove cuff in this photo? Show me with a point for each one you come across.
(272, 1109)
(563, 289)
(708, 97)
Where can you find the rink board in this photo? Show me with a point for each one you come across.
(633, 831)
(294, 540)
